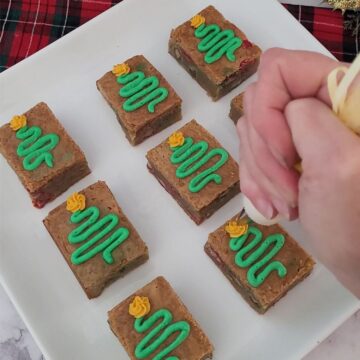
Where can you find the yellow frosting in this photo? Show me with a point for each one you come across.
(298, 167)
(176, 139)
(75, 202)
(18, 122)
(236, 229)
(121, 69)
(197, 20)
(139, 307)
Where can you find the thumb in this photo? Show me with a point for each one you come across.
(318, 135)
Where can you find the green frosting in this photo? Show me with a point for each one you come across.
(141, 90)
(92, 231)
(254, 275)
(154, 339)
(193, 157)
(35, 149)
(216, 42)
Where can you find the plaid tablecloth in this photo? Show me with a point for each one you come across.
(26, 26)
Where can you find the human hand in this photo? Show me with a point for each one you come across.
(287, 118)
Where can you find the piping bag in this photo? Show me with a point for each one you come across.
(345, 105)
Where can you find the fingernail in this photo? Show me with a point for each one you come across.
(282, 208)
(265, 208)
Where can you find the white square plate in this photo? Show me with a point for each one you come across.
(65, 324)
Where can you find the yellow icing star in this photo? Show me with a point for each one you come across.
(75, 202)
(139, 307)
(197, 20)
(18, 122)
(176, 139)
(235, 229)
(121, 69)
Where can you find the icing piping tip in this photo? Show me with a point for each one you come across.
(255, 215)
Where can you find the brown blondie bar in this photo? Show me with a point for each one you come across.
(143, 101)
(42, 154)
(154, 321)
(237, 108)
(195, 169)
(214, 52)
(262, 262)
(95, 237)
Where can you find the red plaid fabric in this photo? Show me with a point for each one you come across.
(27, 26)
(328, 27)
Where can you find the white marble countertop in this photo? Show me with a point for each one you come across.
(16, 343)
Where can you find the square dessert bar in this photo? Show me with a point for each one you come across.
(262, 262)
(143, 101)
(42, 154)
(237, 108)
(95, 237)
(214, 52)
(153, 323)
(195, 169)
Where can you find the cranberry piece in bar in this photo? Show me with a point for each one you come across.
(43, 155)
(136, 323)
(214, 52)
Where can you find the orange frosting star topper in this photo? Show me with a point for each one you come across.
(197, 21)
(121, 69)
(18, 122)
(75, 202)
(236, 229)
(176, 139)
(139, 307)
